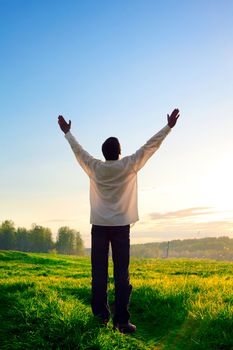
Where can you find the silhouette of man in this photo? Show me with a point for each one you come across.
(113, 201)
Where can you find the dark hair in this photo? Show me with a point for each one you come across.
(111, 148)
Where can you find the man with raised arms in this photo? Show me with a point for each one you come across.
(113, 201)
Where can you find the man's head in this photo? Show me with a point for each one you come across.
(111, 148)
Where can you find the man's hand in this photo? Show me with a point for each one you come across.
(172, 119)
(65, 127)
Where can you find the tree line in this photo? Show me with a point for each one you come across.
(39, 239)
(218, 248)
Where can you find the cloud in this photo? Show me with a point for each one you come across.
(183, 213)
(187, 226)
(163, 230)
(189, 222)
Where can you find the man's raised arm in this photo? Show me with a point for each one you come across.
(86, 161)
(139, 158)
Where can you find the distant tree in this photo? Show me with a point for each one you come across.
(79, 245)
(69, 241)
(23, 240)
(41, 239)
(7, 235)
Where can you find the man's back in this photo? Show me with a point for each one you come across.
(113, 184)
(113, 193)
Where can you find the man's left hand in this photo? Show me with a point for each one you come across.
(172, 119)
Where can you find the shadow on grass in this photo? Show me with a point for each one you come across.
(156, 314)
(41, 320)
(32, 320)
(163, 319)
(217, 333)
(201, 334)
(81, 293)
(11, 310)
(29, 258)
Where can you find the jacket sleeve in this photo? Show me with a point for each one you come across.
(141, 156)
(86, 161)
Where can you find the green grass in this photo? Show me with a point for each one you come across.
(176, 304)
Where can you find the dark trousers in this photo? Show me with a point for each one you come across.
(118, 236)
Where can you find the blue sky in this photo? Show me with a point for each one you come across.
(117, 68)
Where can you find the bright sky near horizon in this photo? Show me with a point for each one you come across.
(116, 68)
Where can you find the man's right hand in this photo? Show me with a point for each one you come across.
(65, 127)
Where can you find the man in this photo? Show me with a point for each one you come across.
(113, 200)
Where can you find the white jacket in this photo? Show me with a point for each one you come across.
(113, 184)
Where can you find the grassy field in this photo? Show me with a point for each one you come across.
(176, 304)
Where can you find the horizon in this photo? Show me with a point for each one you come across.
(194, 237)
(118, 69)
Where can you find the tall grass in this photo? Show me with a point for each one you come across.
(176, 304)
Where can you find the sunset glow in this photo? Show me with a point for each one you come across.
(117, 69)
